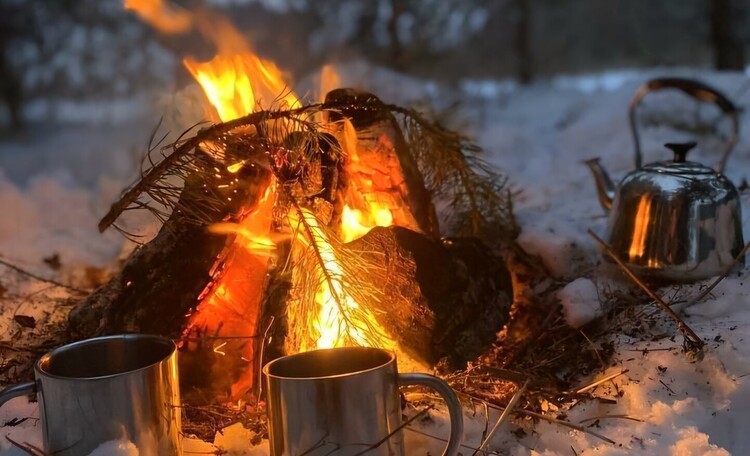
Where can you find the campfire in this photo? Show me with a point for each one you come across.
(292, 220)
(292, 225)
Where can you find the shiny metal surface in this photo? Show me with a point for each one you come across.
(676, 227)
(605, 189)
(110, 388)
(344, 402)
(676, 220)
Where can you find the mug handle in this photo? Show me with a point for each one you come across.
(21, 389)
(454, 406)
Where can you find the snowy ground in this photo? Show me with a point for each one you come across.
(55, 183)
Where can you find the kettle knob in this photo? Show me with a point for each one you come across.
(680, 150)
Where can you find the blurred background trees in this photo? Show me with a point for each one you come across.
(94, 49)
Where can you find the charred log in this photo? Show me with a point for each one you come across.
(445, 299)
(385, 172)
(161, 281)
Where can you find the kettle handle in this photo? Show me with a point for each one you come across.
(697, 90)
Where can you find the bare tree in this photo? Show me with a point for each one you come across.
(522, 41)
(728, 50)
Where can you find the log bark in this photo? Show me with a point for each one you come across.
(161, 280)
(445, 299)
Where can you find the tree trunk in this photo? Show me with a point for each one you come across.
(728, 50)
(522, 41)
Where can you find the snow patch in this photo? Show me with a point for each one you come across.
(238, 441)
(580, 301)
(561, 255)
(116, 448)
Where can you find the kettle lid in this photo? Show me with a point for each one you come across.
(679, 165)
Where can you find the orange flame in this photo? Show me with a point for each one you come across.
(355, 223)
(164, 17)
(227, 306)
(237, 82)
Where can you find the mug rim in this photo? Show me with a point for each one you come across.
(79, 343)
(391, 359)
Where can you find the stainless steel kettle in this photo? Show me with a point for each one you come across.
(676, 220)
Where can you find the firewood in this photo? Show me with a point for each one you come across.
(445, 299)
(385, 171)
(161, 281)
(450, 297)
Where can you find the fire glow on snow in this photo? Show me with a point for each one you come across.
(538, 131)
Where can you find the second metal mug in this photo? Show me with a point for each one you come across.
(109, 388)
(344, 402)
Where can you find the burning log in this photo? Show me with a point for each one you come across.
(161, 280)
(314, 192)
(381, 175)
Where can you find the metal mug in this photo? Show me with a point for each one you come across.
(344, 402)
(122, 387)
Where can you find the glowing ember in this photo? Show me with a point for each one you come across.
(361, 326)
(224, 306)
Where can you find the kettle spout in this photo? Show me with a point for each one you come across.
(604, 186)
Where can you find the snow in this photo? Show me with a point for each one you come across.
(55, 185)
(116, 448)
(580, 301)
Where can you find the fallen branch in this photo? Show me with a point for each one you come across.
(600, 381)
(179, 150)
(693, 342)
(504, 416)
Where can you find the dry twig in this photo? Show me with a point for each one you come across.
(600, 381)
(504, 416)
(27, 447)
(395, 431)
(601, 417)
(693, 342)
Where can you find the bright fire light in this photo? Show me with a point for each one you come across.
(355, 224)
(238, 82)
(362, 328)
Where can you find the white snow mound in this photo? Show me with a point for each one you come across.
(580, 301)
(116, 448)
